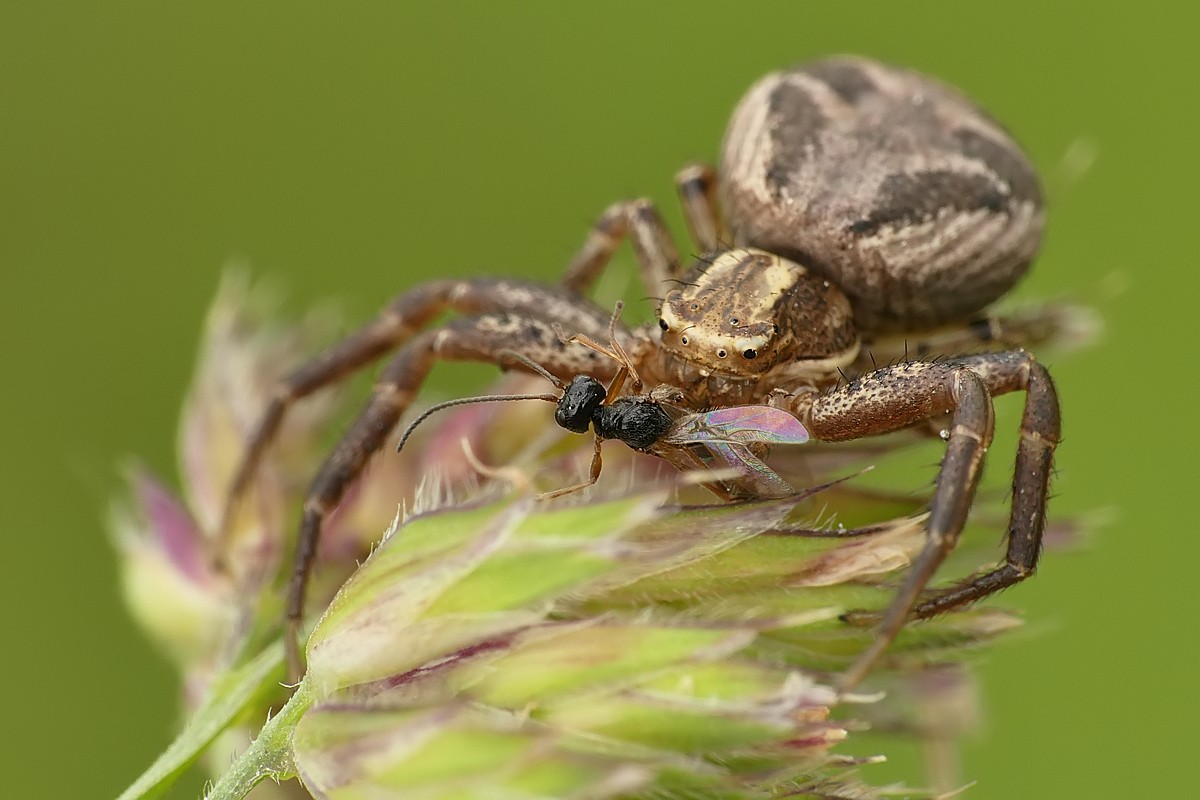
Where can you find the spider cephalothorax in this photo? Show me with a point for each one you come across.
(865, 206)
(747, 312)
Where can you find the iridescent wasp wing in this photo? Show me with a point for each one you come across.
(727, 434)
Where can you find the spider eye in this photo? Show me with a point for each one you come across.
(662, 323)
(774, 329)
(721, 354)
(683, 340)
(749, 354)
(733, 320)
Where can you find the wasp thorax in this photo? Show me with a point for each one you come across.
(745, 311)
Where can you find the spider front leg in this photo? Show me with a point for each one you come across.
(398, 322)
(485, 338)
(640, 222)
(895, 397)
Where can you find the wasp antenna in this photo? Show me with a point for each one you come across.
(533, 365)
(462, 401)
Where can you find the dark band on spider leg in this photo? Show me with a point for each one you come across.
(983, 328)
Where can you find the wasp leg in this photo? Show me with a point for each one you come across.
(593, 475)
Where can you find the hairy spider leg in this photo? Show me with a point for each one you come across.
(1048, 325)
(697, 188)
(895, 397)
(1041, 431)
(398, 322)
(640, 222)
(467, 339)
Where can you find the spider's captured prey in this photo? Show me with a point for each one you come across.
(864, 206)
(656, 423)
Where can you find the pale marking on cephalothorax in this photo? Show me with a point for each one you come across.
(748, 311)
(733, 306)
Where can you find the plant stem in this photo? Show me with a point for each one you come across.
(269, 755)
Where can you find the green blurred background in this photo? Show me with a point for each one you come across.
(353, 152)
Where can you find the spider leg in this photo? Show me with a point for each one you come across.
(469, 339)
(1041, 429)
(894, 397)
(398, 321)
(1050, 325)
(697, 188)
(640, 222)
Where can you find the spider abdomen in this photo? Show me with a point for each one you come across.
(893, 185)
